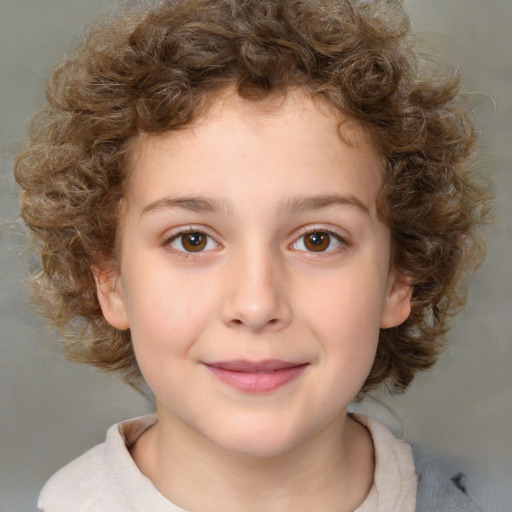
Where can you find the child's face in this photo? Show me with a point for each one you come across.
(254, 273)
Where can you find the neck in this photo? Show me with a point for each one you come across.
(332, 470)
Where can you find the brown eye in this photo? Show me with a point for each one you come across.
(318, 241)
(192, 241)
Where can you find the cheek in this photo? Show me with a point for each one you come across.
(349, 343)
(346, 305)
(344, 315)
(167, 316)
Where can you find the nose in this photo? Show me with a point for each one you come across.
(256, 294)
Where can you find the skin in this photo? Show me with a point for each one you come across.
(256, 292)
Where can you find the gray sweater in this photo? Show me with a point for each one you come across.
(440, 490)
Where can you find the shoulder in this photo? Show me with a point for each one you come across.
(94, 481)
(104, 479)
(440, 487)
(77, 485)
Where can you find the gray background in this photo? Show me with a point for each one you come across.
(52, 410)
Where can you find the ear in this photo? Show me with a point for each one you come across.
(397, 305)
(111, 297)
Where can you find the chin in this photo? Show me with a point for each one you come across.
(257, 441)
(258, 449)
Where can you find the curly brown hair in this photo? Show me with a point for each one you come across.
(156, 68)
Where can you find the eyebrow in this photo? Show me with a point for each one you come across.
(306, 202)
(192, 204)
(296, 204)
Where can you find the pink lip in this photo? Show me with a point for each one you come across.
(256, 377)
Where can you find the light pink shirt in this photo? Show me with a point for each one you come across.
(106, 479)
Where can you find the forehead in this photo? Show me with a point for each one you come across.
(287, 145)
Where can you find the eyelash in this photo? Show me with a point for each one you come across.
(342, 242)
(179, 236)
(183, 252)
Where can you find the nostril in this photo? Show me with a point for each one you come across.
(237, 322)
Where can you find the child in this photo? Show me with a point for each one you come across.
(264, 209)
